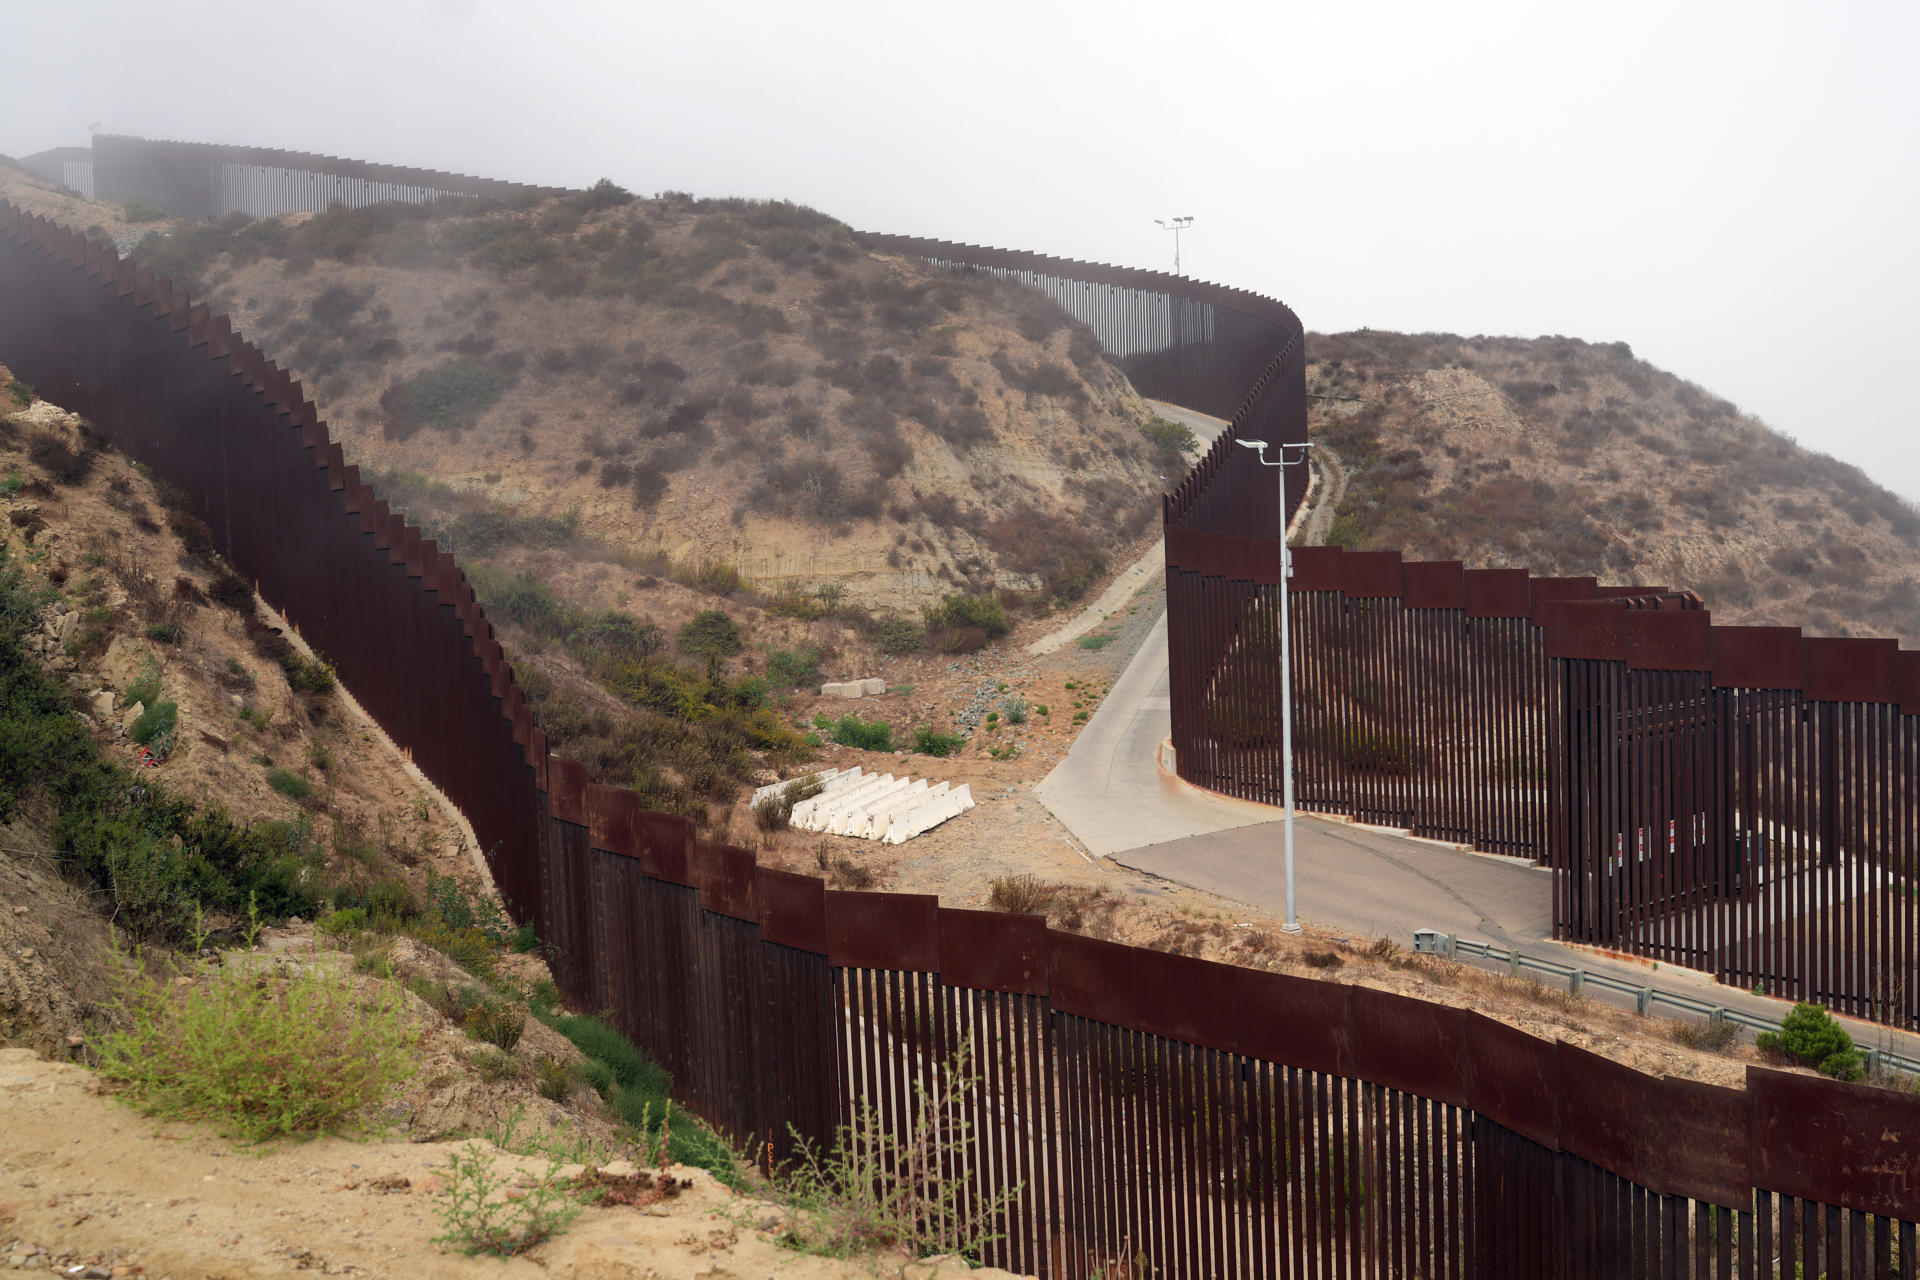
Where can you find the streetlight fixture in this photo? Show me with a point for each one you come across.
(1286, 661)
(1175, 225)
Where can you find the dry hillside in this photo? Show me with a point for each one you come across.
(703, 380)
(1568, 457)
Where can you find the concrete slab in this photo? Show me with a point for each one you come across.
(1110, 790)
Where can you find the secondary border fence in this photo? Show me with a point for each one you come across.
(1151, 1114)
(1739, 800)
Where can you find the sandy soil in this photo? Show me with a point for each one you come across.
(86, 1182)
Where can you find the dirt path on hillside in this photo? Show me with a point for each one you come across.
(1330, 490)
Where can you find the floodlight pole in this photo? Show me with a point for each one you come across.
(1175, 225)
(1292, 924)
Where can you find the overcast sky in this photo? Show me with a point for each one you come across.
(1734, 189)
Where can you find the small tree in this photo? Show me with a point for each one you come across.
(1811, 1037)
(710, 634)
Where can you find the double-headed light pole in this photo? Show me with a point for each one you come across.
(1286, 659)
(1175, 225)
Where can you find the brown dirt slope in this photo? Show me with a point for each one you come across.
(140, 597)
(1568, 457)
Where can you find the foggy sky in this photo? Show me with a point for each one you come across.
(1733, 189)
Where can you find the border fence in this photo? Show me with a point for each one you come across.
(1152, 1114)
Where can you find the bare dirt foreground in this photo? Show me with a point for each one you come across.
(92, 1188)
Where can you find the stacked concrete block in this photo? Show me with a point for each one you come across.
(872, 806)
(854, 688)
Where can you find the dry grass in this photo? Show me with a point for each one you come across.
(1086, 909)
(1707, 1037)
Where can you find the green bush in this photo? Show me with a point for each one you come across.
(156, 725)
(265, 1054)
(1811, 1037)
(793, 669)
(447, 396)
(308, 675)
(982, 611)
(287, 782)
(138, 210)
(1173, 440)
(604, 194)
(895, 634)
(929, 743)
(480, 1217)
(343, 924)
(710, 634)
(145, 690)
(852, 731)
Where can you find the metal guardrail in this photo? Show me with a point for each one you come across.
(1434, 942)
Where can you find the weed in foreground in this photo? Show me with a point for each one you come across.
(914, 1191)
(267, 1052)
(478, 1216)
(1710, 1037)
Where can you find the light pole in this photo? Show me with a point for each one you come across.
(1286, 660)
(1175, 225)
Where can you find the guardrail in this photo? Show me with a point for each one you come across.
(1436, 943)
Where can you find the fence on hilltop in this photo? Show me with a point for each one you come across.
(1158, 1114)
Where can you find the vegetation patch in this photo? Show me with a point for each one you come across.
(448, 396)
(1810, 1036)
(293, 1049)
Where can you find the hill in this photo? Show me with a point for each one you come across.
(1568, 457)
(693, 380)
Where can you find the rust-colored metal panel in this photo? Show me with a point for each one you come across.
(1182, 548)
(883, 930)
(1415, 1046)
(567, 791)
(1182, 999)
(613, 816)
(1549, 589)
(993, 951)
(1591, 629)
(666, 846)
(1371, 574)
(1236, 559)
(1847, 1144)
(1669, 641)
(1515, 1079)
(727, 882)
(1600, 1109)
(1208, 554)
(1851, 669)
(1266, 562)
(1757, 658)
(1499, 593)
(1909, 683)
(1316, 568)
(1296, 1022)
(1435, 584)
(1090, 977)
(793, 910)
(1698, 1142)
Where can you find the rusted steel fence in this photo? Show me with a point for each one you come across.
(1739, 800)
(1146, 1114)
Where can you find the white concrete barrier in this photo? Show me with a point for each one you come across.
(926, 817)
